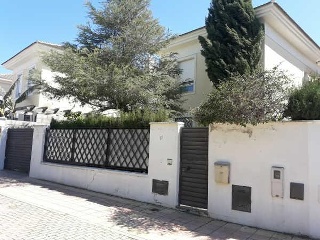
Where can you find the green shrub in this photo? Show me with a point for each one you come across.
(247, 99)
(135, 119)
(304, 103)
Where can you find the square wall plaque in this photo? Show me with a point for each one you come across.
(241, 198)
(297, 191)
(160, 187)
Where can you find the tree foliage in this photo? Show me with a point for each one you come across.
(247, 99)
(234, 40)
(114, 64)
(304, 102)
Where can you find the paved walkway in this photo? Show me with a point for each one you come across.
(34, 209)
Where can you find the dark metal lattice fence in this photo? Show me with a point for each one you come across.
(122, 149)
(188, 121)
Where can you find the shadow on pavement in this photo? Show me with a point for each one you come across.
(11, 178)
(132, 215)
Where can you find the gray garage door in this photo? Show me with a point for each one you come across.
(18, 149)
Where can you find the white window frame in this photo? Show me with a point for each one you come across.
(188, 58)
(18, 87)
(29, 84)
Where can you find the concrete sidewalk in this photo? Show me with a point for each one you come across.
(35, 209)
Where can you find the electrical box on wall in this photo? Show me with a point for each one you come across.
(297, 191)
(222, 172)
(277, 182)
(160, 187)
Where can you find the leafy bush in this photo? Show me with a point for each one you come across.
(304, 103)
(243, 99)
(135, 119)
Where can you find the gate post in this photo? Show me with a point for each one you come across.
(3, 143)
(164, 162)
(37, 149)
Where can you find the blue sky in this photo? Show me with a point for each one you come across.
(23, 22)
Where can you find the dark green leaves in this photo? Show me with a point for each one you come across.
(234, 41)
(247, 99)
(114, 63)
(304, 102)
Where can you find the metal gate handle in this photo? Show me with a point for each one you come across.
(186, 169)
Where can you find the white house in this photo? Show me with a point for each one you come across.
(25, 61)
(6, 81)
(285, 43)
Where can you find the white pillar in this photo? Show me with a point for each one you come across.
(3, 144)
(37, 149)
(312, 188)
(164, 159)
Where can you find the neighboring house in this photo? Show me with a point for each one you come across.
(285, 44)
(25, 61)
(6, 81)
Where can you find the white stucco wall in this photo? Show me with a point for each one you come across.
(3, 143)
(63, 103)
(164, 144)
(5, 85)
(188, 47)
(278, 51)
(314, 179)
(251, 152)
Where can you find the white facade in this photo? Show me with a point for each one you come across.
(28, 59)
(285, 45)
(6, 81)
(193, 67)
(278, 52)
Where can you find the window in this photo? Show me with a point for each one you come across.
(18, 86)
(188, 75)
(30, 83)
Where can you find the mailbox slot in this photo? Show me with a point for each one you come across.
(222, 172)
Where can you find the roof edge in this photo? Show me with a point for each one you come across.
(282, 11)
(296, 25)
(39, 42)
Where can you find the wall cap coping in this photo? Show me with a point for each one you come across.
(167, 123)
(41, 125)
(248, 128)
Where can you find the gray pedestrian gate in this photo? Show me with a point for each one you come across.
(193, 190)
(18, 149)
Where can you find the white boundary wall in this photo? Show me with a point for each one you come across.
(251, 152)
(164, 144)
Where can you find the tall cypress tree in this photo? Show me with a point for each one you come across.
(234, 40)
